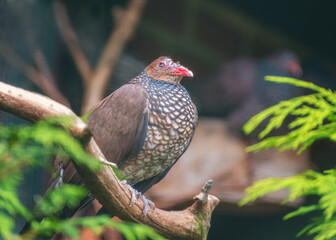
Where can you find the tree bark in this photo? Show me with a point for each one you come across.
(190, 223)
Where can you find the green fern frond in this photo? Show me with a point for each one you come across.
(26, 147)
(298, 83)
(301, 185)
(324, 230)
(302, 211)
(314, 118)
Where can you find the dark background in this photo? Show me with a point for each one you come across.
(202, 35)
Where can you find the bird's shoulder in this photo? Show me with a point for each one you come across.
(119, 122)
(128, 94)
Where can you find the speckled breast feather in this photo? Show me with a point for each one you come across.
(172, 121)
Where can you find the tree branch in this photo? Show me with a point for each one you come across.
(42, 64)
(126, 21)
(36, 77)
(71, 41)
(191, 223)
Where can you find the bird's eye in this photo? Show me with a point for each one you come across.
(162, 64)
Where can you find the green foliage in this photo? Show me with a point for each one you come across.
(60, 197)
(69, 227)
(25, 147)
(314, 118)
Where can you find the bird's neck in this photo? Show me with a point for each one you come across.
(144, 79)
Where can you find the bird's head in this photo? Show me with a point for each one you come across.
(165, 69)
(288, 62)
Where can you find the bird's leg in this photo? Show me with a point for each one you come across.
(57, 177)
(60, 179)
(136, 195)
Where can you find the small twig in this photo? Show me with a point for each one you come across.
(126, 21)
(203, 195)
(71, 41)
(36, 77)
(42, 65)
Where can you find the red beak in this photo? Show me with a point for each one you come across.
(182, 71)
(295, 68)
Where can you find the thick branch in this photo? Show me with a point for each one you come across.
(126, 21)
(191, 223)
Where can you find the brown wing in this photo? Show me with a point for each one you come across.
(119, 123)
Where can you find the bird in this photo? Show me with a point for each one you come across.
(146, 125)
(238, 90)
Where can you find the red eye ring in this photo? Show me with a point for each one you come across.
(162, 64)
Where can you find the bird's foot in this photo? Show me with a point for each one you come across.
(146, 203)
(136, 195)
(59, 181)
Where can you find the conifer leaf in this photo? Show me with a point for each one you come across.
(313, 117)
(23, 148)
(302, 211)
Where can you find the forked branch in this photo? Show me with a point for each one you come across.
(71, 40)
(126, 21)
(38, 78)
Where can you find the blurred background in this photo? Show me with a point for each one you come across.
(78, 51)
